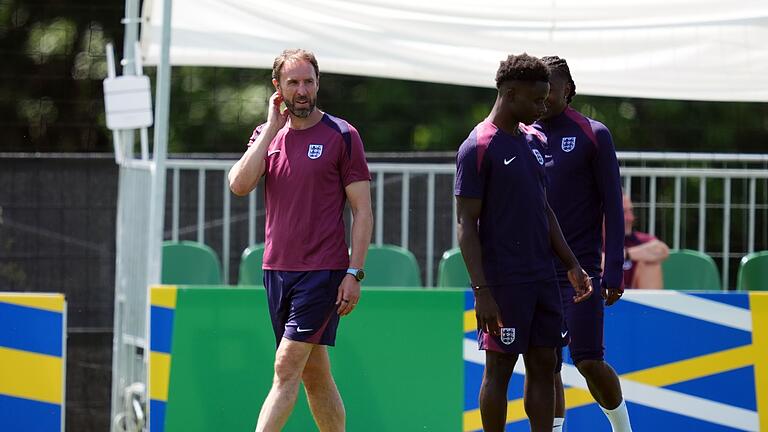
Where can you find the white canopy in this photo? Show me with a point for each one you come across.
(668, 49)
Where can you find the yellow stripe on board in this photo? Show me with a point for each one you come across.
(758, 303)
(470, 321)
(30, 375)
(49, 302)
(164, 296)
(697, 367)
(658, 376)
(159, 375)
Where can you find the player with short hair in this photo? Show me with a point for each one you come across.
(585, 190)
(507, 234)
(312, 164)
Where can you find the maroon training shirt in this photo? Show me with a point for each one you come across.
(304, 180)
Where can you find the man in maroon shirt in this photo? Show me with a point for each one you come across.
(643, 254)
(312, 163)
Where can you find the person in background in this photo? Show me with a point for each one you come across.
(643, 254)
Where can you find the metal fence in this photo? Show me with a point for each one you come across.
(722, 211)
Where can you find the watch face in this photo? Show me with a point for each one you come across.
(360, 275)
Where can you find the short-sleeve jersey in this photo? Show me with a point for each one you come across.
(507, 173)
(304, 179)
(584, 189)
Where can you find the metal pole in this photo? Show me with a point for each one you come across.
(726, 231)
(652, 208)
(702, 213)
(111, 73)
(454, 218)
(252, 218)
(676, 238)
(751, 235)
(175, 208)
(380, 208)
(405, 204)
(201, 205)
(131, 21)
(430, 227)
(225, 232)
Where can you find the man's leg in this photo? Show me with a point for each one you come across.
(648, 276)
(290, 359)
(539, 398)
(493, 390)
(559, 403)
(604, 385)
(322, 394)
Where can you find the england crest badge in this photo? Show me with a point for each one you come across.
(568, 144)
(507, 335)
(315, 151)
(539, 158)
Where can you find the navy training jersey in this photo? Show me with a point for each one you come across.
(507, 173)
(584, 186)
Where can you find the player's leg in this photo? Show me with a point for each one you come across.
(539, 398)
(290, 359)
(322, 393)
(557, 426)
(585, 322)
(493, 390)
(603, 383)
(541, 361)
(313, 319)
(566, 299)
(516, 303)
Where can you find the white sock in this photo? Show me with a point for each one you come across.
(619, 418)
(557, 426)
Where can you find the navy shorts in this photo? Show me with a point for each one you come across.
(532, 317)
(302, 304)
(584, 323)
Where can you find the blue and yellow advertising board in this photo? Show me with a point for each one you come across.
(407, 360)
(686, 361)
(32, 362)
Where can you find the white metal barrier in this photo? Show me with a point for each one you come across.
(408, 196)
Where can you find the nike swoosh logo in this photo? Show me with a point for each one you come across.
(301, 330)
(271, 152)
(564, 334)
(508, 161)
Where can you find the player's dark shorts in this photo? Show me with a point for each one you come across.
(584, 323)
(532, 317)
(303, 304)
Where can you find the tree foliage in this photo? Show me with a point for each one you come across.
(51, 99)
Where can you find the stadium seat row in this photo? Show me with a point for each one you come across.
(192, 263)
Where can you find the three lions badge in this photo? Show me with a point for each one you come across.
(315, 151)
(568, 144)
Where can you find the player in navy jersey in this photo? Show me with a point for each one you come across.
(585, 191)
(507, 234)
(312, 163)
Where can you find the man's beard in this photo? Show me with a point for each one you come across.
(300, 112)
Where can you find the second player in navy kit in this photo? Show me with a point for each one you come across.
(508, 234)
(585, 194)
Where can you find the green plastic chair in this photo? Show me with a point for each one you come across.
(753, 272)
(251, 261)
(391, 266)
(690, 270)
(190, 263)
(452, 272)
